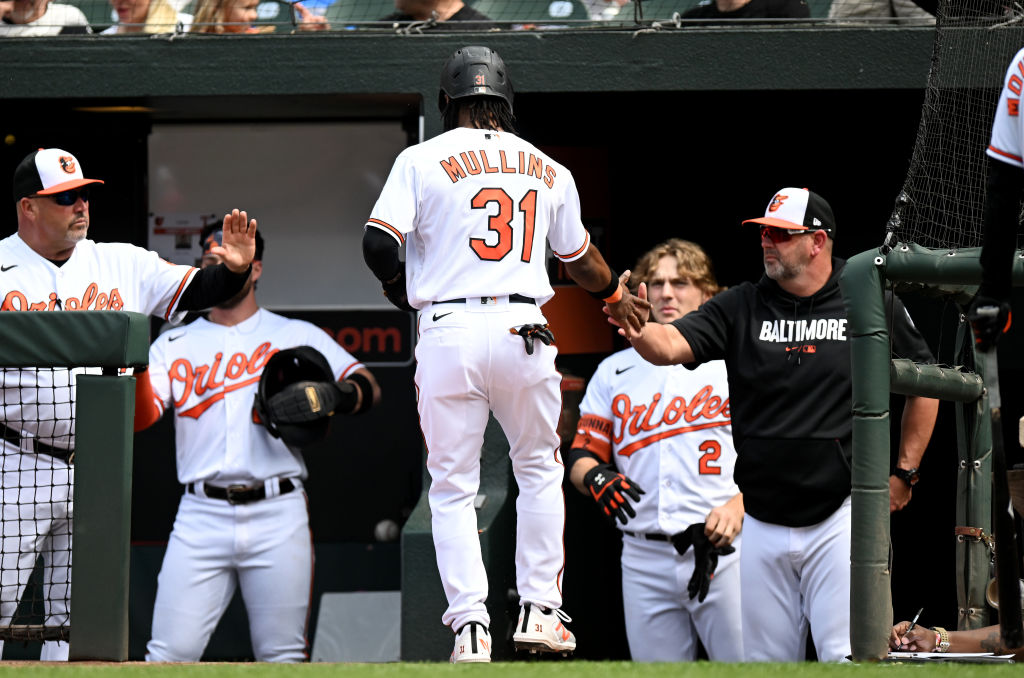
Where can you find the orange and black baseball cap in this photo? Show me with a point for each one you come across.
(798, 209)
(48, 171)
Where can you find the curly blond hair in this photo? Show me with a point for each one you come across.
(694, 263)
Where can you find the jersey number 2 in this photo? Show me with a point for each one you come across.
(501, 223)
(712, 450)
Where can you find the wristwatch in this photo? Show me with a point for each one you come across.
(941, 639)
(909, 476)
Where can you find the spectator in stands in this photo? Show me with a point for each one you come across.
(146, 16)
(31, 18)
(938, 639)
(439, 10)
(604, 10)
(237, 16)
(749, 9)
(871, 9)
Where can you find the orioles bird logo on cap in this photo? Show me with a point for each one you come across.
(776, 202)
(67, 163)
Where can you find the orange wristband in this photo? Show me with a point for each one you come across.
(615, 297)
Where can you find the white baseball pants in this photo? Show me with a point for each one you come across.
(468, 363)
(662, 623)
(264, 547)
(37, 516)
(792, 576)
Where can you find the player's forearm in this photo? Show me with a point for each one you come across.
(211, 286)
(916, 428)
(579, 468)
(590, 271)
(1005, 185)
(661, 345)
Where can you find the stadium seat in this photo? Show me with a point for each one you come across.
(274, 13)
(532, 10)
(341, 11)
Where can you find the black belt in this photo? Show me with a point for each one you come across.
(13, 437)
(240, 494)
(649, 536)
(512, 299)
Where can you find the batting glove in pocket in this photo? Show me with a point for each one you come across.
(531, 332)
(705, 558)
(610, 490)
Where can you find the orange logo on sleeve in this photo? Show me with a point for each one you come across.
(776, 202)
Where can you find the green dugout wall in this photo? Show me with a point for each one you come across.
(103, 457)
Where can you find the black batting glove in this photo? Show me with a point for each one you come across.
(394, 290)
(531, 332)
(609, 488)
(705, 558)
(990, 317)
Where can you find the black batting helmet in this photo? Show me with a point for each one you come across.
(475, 71)
(288, 366)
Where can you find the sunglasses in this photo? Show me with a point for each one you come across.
(777, 235)
(67, 198)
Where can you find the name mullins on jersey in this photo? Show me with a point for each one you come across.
(472, 163)
(785, 331)
(201, 379)
(91, 299)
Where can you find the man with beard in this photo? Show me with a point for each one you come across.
(243, 516)
(51, 265)
(785, 345)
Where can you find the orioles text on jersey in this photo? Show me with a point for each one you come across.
(201, 379)
(593, 431)
(92, 299)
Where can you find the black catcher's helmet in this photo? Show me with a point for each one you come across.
(474, 71)
(288, 366)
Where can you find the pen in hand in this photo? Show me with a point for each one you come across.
(913, 623)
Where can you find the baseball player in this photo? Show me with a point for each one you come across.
(784, 342)
(1003, 192)
(51, 265)
(666, 431)
(475, 207)
(243, 517)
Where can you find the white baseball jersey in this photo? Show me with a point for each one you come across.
(511, 199)
(210, 374)
(669, 429)
(1007, 135)
(97, 276)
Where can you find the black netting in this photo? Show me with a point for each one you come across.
(37, 483)
(940, 205)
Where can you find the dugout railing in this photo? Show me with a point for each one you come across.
(953, 274)
(111, 340)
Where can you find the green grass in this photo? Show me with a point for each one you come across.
(546, 669)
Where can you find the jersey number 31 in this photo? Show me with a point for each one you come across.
(501, 223)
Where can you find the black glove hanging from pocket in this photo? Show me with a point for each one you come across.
(531, 332)
(705, 558)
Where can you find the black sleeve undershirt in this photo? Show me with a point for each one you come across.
(1003, 192)
(211, 286)
(380, 251)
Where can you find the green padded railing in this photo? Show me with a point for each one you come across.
(103, 462)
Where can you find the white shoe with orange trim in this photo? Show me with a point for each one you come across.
(472, 644)
(542, 630)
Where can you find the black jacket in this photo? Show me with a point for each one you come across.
(790, 392)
